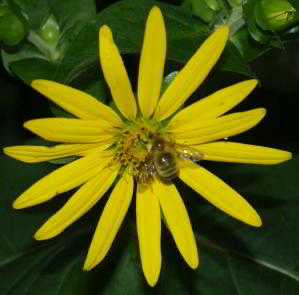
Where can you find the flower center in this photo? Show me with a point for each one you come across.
(132, 144)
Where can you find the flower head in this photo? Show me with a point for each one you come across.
(115, 150)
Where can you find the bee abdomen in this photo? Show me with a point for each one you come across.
(167, 175)
(166, 167)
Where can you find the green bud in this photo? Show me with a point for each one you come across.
(12, 29)
(275, 14)
(206, 9)
(50, 31)
(234, 3)
(213, 4)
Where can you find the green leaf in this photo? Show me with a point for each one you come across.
(28, 51)
(66, 12)
(99, 90)
(255, 32)
(71, 16)
(234, 62)
(186, 6)
(248, 48)
(28, 266)
(62, 161)
(184, 36)
(16, 177)
(33, 68)
(203, 10)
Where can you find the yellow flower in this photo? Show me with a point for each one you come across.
(115, 150)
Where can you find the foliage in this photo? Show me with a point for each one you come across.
(74, 24)
(58, 40)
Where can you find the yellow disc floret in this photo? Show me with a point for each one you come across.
(132, 140)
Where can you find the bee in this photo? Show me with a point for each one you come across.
(163, 160)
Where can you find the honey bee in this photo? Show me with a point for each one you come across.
(163, 160)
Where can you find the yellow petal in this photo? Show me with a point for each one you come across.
(102, 147)
(81, 202)
(178, 221)
(71, 130)
(35, 154)
(61, 180)
(218, 128)
(242, 153)
(149, 234)
(219, 194)
(193, 73)
(76, 102)
(215, 104)
(110, 221)
(116, 75)
(151, 67)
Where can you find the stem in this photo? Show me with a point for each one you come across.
(236, 20)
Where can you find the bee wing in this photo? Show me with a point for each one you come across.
(188, 153)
